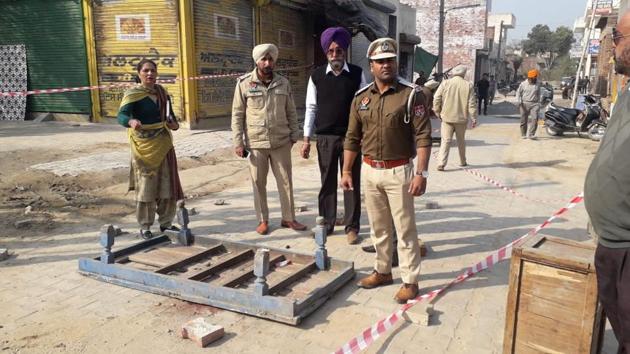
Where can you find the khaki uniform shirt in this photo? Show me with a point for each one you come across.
(379, 124)
(263, 117)
(455, 101)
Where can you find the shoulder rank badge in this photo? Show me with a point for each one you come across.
(364, 104)
(419, 110)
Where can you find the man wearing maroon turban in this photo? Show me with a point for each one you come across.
(330, 91)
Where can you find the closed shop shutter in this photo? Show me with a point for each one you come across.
(223, 45)
(127, 31)
(55, 50)
(285, 28)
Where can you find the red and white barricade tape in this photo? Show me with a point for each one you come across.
(126, 84)
(371, 334)
(507, 189)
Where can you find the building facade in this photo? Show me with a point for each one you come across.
(464, 32)
(498, 26)
(74, 43)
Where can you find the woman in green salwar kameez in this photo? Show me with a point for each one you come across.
(153, 173)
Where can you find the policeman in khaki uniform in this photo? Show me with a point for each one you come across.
(264, 123)
(389, 124)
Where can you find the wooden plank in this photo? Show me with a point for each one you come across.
(248, 273)
(534, 331)
(185, 251)
(291, 278)
(554, 284)
(227, 262)
(154, 257)
(192, 259)
(560, 252)
(561, 312)
(512, 304)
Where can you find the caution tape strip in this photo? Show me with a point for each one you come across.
(127, 84)
(371, 334)
(508, 189)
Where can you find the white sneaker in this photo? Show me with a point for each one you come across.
(531, 137)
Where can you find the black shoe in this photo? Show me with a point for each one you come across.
(172, 228)
(146, 234)
(372, 249)
(369, 249)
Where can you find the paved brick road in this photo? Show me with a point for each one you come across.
(48, 307)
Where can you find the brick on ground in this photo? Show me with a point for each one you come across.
(201, 331)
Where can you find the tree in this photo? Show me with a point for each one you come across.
(565, 66)
(516, 61)
(541, 41)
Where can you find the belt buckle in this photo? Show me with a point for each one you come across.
(379, 165)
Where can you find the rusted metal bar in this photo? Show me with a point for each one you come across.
(186, 261)
(291, 278)
(247, 274)
(228, 262)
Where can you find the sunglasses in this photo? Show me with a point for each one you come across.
(618, 36)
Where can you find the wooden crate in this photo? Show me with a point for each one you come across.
(552, 300)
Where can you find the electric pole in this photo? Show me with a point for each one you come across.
(441, 38)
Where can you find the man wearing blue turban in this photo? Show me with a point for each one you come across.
(330, 91)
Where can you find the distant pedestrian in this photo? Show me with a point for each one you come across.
(606, 196)
(528, 96)
(264, 125)
(153, 175)
(330, 91)
(455, 104)
(492, 91)
(483, 91)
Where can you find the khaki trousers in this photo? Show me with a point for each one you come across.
(386, 198)
(447, 130)
(280, 161)
(145, 212)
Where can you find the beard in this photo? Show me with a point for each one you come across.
(336, 65)
(622, 62)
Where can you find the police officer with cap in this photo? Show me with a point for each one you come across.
(389, 125)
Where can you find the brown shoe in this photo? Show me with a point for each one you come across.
(263, 227)
(406, 292)
(440, 168)
(352, 236)
(375, 279)
(293, 225)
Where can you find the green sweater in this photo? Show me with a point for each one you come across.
(145, 110)
(607, 186)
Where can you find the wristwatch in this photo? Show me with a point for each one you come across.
(424, 173)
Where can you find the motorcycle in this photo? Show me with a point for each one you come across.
(592, 120)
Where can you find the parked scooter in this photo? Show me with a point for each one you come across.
(593, 120)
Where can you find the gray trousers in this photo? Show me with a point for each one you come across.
(145, 212)
(529, 118)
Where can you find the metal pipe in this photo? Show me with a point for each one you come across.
(441, 38)
(586, 45)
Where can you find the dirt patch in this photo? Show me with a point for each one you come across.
(33, 202)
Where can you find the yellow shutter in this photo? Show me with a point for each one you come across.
(126, 31)
(223, 45)
(286, 28)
